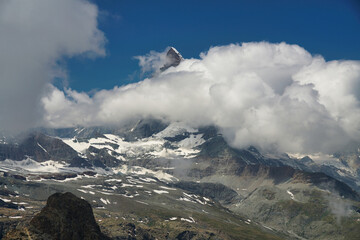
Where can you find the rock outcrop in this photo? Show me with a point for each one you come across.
(66, 216)
(173, 59)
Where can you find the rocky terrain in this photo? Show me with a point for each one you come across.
(153, 210)
(170, 181)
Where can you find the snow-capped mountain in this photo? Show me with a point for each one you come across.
(189, 172)
(154, 144)
(198, 161)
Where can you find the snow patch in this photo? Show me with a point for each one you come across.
(291, 195)
(148, 180)
(105, 201)
(174, 129)
(5, 200)
(113, 180)
(83, 191)
(42, 147)
(190, 220)
(168, 188)
(142, 202)
(80, 147)
(124, 169)
(160, 191)
(33, 166)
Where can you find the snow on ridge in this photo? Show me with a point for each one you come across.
(42, 147)
(194, 199)
(160, 191)
(175, 50)
(50, 166)
(137, 170)
(190, 220)
(80, 147)
(151, 146)
(192, 141)
(326, 160)
(5, 200)
(316, 157)
(33, 166)
(78, 131)
(105, 201)
(174, 129)
(113, 180)
(168, 188)
(291, 194)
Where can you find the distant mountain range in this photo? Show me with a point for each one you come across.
(190, 172)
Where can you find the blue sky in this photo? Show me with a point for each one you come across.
(327, 27)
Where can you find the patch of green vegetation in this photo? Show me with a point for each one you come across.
(218, 223)
(350, 227)
(315, 209)
(234, 228)
(268, 194)
(317, 213)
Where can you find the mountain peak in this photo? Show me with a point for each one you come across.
(173, 59)
(172, 49)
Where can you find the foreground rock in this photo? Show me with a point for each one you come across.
(65, 216)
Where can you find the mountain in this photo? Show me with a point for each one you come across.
(152, 179)
(173, 59)
(151, 163)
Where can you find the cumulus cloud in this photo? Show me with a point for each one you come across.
(34, 36)
(277, 97)
(152, 62)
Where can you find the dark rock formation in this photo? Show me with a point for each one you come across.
(66, 216)
(101, 157)
(141, 129)
(173, 59)
(58, 176)
(80, 162)
(8, 205)
(39, 147)
(186, 235)
(133, 232)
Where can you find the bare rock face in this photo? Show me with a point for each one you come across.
(39, 147)
(173, 59)
(66, 216)
(186, 235)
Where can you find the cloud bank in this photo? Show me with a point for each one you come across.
(273, 96)
(35, 35)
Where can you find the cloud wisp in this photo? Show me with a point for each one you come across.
(34, 36)
(273, 96)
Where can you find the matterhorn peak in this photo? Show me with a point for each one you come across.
(173, 59)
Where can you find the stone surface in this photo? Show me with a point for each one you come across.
(66, 216)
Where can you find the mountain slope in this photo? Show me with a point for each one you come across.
(273, 190)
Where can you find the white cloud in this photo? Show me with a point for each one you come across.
(34, 36)
(152, 62)
(274, 96)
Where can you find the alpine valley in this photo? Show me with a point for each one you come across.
(153, 179)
